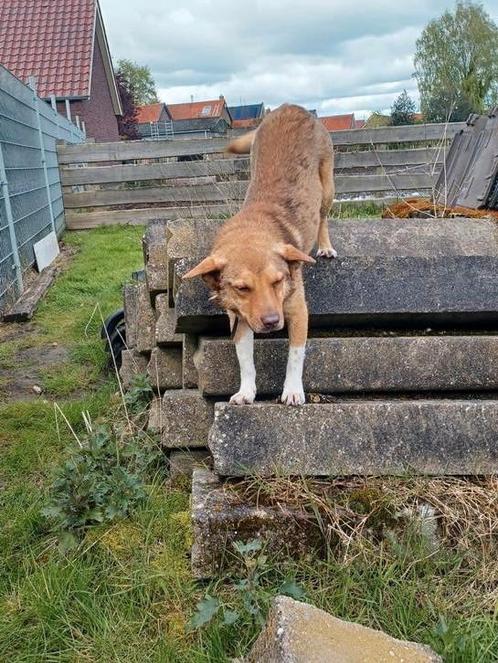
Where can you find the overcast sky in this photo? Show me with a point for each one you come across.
(332, 55)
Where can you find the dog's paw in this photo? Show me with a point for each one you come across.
(293, 397)
(326, 253)
(244, 397)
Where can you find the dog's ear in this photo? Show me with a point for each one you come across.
(291, 254)
(210, 269)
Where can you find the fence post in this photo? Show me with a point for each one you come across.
(4, 185)
(32, 85)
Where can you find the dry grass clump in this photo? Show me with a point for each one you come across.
(425, 207)
(455, 513)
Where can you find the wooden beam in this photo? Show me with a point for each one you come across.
(203, 193)
(228, 191)
(413, 133)
(222, 167)
(152, 171)
(139, 149)
(85, 220)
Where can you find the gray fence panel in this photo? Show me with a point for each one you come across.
(29, 176)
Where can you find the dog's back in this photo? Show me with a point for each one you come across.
(287, 150)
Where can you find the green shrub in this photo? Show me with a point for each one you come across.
(101, 481)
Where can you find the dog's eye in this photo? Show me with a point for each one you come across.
(278, 282)
(242, 288)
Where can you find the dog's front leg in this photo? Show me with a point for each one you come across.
(296, 313)
(244, 346)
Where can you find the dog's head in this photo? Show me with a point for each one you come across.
(253, 285)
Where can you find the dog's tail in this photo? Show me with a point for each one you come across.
(242, 145)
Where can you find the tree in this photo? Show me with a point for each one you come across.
(403, 110)
(456, 64)
(140, 82)
(127, 122)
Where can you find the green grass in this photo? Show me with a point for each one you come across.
(357, 209)
(126, 593)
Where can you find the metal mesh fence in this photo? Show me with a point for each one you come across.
(30, 189)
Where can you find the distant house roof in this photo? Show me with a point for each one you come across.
(247, 112)
(208, 124)
(359, 124)
(338, 122)
(150, 113)
(197, 109)
(53, 40)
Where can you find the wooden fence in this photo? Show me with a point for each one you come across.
(134, 182)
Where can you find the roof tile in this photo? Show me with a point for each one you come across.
(49, 39)
(338, 122)
(196, 109)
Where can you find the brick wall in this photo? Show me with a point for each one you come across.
(97, 112)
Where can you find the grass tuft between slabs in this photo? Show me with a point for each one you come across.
(123, 590)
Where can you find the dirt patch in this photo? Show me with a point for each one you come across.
(23, 370)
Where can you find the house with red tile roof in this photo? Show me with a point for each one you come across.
(338, 122)
(63, 45)
(200, 118)
(153, 121)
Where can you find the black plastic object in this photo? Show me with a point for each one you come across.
(114, 333)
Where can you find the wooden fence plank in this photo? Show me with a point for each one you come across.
(152, 171)
(225, 191)
(406, 134)
(130, 150)
(223, 167)
(384, 158)
(204, 193)
(139, 149)
(86, 220)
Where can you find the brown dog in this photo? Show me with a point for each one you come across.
(255, 265)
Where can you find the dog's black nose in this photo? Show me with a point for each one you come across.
(270, 321)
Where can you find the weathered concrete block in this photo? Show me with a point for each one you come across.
(183, 463)
(130, 299)
(361, 237)
(166, 322)
(371, 291)
(358, 364)
(220, 518)
(188, 237)
(189, 369)
(300, 633)
(165, 368)
(186, 419)
(440, 437)
(132, 364)
(154, 244)
(146, 321)
(154, 424)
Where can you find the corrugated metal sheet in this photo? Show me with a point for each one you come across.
(468, 178)
(30, 190)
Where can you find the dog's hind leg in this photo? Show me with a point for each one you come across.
(244, 346)
(296, 314)
(325, 248)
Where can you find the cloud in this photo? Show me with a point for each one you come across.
(324, 54)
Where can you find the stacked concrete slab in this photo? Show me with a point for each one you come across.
(401, 368)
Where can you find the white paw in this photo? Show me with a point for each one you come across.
(293, 397)
(326, 253)
(244, 397)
